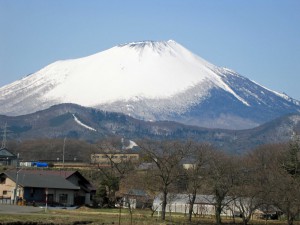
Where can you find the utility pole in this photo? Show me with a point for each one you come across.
(17, 181)
(46, 193)
(63, 159)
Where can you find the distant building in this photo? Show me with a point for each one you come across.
(7, 158)
(33, 164)
(107, 158)
(205, 206)
(189, 166)
(136, 199)
(179, 203)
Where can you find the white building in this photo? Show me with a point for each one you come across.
(204, 205)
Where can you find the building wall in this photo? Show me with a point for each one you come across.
(38, 195)
(34, 194)
(199, 209)
(105, 158)
(8, 162)
(86, 196)
(203, 205)
(7, 187)
(70, 197)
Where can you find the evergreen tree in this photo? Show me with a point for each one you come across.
(292, 161)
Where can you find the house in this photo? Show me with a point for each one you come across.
(7, 158)
(40, 186)
(136, 199)
(267, 212)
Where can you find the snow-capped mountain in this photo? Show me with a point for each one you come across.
(151, 81)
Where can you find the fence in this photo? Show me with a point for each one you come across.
(6, 201)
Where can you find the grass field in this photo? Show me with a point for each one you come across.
(111, 216)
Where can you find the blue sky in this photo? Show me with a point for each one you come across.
(258, 39)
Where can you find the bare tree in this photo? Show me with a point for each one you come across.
(196, 172)
(166, 157)
(117, 170)
(221, 178)
(247, 193)
(288, 196)
(278, 166)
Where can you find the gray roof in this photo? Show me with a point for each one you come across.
(184, 199)
(41, 180)
(137, 192)
(5, 153)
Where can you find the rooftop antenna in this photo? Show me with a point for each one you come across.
(4, 137)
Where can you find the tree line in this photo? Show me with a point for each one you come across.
(267, 176)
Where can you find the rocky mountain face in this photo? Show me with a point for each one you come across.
(150, 81)
(88, 124)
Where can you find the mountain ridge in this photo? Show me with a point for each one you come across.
(89, 124)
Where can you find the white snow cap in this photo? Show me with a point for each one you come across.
(136, 70)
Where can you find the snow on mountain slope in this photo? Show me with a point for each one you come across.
(148, 80)
(82, 124)
(136, 70)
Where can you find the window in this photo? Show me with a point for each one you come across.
(2, 180)
(50, 198)
(32, 191)
(63, 198)
(4, 192)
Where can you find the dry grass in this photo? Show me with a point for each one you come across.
(111, 216)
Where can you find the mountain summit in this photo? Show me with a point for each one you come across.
(152, 81)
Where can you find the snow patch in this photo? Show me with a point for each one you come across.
(131, 145)
(82, 124)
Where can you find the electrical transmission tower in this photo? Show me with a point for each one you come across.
(3, 145)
